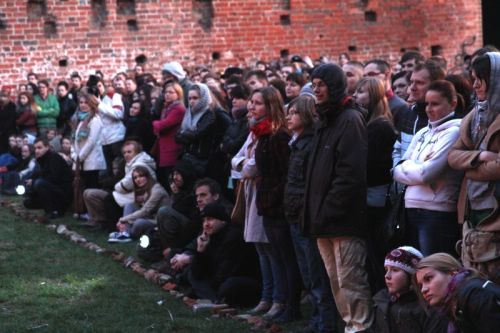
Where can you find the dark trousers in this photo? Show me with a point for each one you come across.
(283, 257)
(113, 212)
(175, 229)
(238, 291)
(47, 196)
(432, 231)
(90, 179)
(111, 152)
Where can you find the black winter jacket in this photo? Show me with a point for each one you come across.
(54, 169)
(235, 135)
(201, 141)
(296, 180)
(405, 315)
(335, 195)
(271, 157)
(477, 306)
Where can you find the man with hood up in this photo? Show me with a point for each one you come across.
(335, 195)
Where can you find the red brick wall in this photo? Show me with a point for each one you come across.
(242, 31)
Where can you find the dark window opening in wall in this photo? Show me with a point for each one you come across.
(284, 53)
(50, 27)
(125, 7)
(402, 50)
(3, 23)
(215, 55)
(491, 33)
(99, 13)
(132, 25)
(321, 36)
(63, 63)
(285, 20)
(36, 8)
(436, 50)
(371, 16)
(352, 48)
(204, 10)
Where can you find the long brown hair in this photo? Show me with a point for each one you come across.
(378, 105)
(92, 102)
(274, 107)
(306, 109)
(31, 100)
(143, 171)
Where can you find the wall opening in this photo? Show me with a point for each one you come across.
(204, 10)
(141, 59)
(50, 27)
(36, 8)
(3, 22)
(285, 20)
(63, 62)
(371, 16)
(215, 56)
(352, 48)
(99, 13)
(132, 25)
(491, 33)
(125, 7)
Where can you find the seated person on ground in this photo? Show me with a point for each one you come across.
(16, 174)
(50, 187)
(140, 216)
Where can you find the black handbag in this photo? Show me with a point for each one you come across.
(394, 227)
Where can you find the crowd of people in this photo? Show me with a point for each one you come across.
(271, 186)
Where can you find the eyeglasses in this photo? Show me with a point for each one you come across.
(319, 85)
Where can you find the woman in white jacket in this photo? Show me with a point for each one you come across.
(87, 145)
(433, 187)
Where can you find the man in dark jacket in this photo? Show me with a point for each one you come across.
(7, 120)
(67, 107)
(335, 196)
(224, 267)
(51, 184)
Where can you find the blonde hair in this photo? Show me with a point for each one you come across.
(178, 89)
(92, 102)
(378, 106)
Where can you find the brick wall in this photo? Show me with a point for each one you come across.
(41, 35)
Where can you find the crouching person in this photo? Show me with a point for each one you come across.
(50, 187)
(140, 216)
(223, 268)
(397, 308)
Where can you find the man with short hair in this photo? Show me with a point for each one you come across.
(410, 122)
(104, 207)
(410, 59)
(354, 72)
(32, 78)
(76, 85)
(335, 196)
(51, 182)
(256, 79)
(382, 70)
(48, 106)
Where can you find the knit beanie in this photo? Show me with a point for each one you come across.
(404, 257)
(175, 69)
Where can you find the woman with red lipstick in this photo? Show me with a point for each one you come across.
(471, 302)
(397, 308)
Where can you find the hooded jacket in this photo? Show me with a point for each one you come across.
(432, 184)
(335, 189)
(464, 154)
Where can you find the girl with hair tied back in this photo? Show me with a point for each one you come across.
(470, 302)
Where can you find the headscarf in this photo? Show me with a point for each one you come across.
(193, 115)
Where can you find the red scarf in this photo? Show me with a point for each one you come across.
(262, 128)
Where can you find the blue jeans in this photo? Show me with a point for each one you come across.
(312, 269)
(140, 225)
(284, 262)
(432, 231)
(269, 292)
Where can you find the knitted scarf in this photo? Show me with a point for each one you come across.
(194, 114)
(262, 127)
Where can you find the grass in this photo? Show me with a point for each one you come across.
(49, 284)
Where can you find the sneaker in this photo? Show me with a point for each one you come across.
(122, 237)
(114, 234)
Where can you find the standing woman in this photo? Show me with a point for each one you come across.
(26, 115)
(477, 153)
(470, 302)
(432, 192)
(197, 133)
(87, 145)
(268, 124)
(165, 129)
(370, 93)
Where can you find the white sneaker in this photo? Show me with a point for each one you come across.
(122, 237)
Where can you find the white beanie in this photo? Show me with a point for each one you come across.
(175, 69)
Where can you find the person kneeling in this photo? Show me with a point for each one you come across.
(224, 267)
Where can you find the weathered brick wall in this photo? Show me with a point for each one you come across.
(35, 35)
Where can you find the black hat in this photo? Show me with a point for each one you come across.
(228, 72)
(216, 211)
(296, 58)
